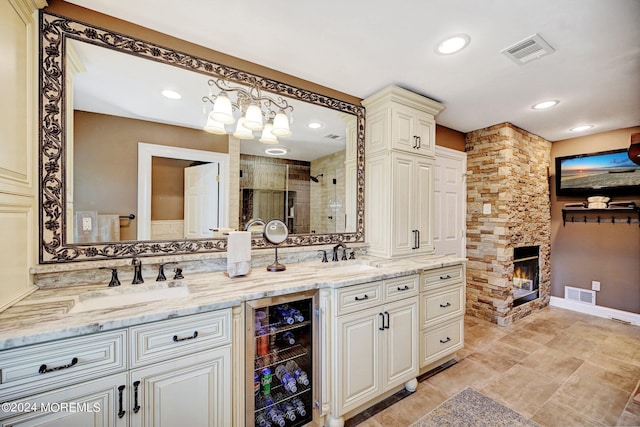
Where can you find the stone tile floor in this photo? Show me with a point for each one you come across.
(556, 367)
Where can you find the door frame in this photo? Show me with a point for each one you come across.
(145, 153)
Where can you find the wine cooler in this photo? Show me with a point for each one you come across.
(282, 361)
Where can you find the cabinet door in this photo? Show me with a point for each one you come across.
(190, 391)
(358, 364)
(96, 403)
(403, 233)
(422, 199)
(401, 342)
(426, 132)
(403, 128)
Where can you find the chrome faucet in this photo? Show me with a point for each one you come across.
(335, 252)
(137, 271)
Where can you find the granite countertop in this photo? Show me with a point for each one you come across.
(48, 314)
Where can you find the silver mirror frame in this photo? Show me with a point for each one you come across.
(54, 30)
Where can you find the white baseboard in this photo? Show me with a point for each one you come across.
(596, 310)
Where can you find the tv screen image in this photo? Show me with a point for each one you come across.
(608, 172)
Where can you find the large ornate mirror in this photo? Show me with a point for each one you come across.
(116, 157)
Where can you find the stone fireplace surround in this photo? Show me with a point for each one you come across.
(507, 172)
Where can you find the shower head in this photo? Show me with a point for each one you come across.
(315, 178)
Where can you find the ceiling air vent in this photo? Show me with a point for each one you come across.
(332, 136)
(533, 47)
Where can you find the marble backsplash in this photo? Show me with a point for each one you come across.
(86, 273)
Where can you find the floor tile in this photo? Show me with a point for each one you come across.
(553, 414)
(592, 391)
(522, 389)
(460, 376)
(499, 356)
(573, 345)
(553, 363)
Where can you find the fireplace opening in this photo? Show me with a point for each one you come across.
(526, 274)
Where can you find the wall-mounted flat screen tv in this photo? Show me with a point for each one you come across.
(606, 173)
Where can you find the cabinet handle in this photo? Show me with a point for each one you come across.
(43, 368)
(419, 142)
(176, 339)
(121, 411)
(415, 142)
(136, 407)
(417, 239)
(415, 235)
(445, 341)
(445, 305)
(381, 328)
(363, 298)
(404, 288)
(387, 313)
(445, 277)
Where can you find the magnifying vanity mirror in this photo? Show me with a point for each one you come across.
(121, 165)
(276, 232)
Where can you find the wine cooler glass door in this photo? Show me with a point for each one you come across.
(281, 361)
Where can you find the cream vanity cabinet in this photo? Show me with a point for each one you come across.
(442, 306)
(173, 372)
(375, 341)
(400, 149)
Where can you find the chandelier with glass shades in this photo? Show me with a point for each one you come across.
(267, 117)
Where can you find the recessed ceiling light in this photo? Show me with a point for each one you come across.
(276, 151)
(171, 94)
(314, 125)
(580, 128)
(453, 44)
(545, 104)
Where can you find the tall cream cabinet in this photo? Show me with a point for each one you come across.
(400, 149)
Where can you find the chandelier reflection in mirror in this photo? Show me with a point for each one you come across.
(268, 117)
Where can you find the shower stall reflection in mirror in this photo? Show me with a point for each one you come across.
(211, 200)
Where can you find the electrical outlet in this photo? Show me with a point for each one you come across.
(486, 208)
(86, 224)
(595, 285)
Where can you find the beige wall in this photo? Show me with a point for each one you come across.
(106, 156)
(604, 252)
(18, 112)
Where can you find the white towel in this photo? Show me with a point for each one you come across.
(238, 253)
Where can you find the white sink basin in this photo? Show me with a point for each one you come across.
(128, 295)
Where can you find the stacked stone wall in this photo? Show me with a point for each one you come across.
(507, 168)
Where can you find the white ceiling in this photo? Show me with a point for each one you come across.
(361, 46)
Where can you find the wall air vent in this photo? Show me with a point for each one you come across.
(533, 47)
(584, 296)
(332, 136)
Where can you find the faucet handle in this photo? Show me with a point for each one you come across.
(178, 274)
(161, 277)
(324, 255)
(344, 254)
(335, 255)
(352, 255)
(114, 276)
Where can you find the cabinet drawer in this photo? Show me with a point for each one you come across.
(440, 305)
(38, 368)
(354, 298)
(441, 341)
(400, 288)
(442, 277)
(167, 339)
